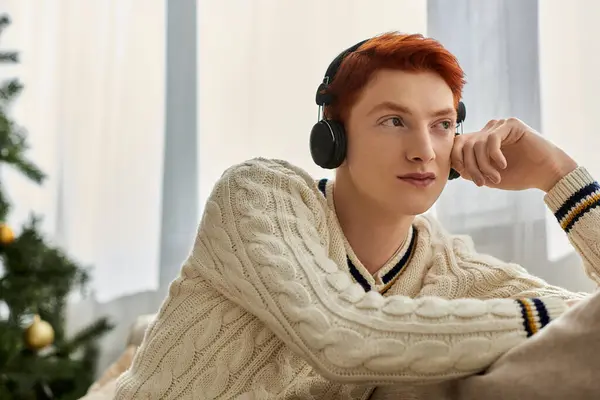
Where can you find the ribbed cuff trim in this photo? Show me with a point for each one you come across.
(537, 313)
(572, 197)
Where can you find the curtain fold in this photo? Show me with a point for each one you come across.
(496, 43)
(94, 107)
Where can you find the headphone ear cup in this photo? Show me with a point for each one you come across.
(454, 173)
(328, 144)
(341, 146)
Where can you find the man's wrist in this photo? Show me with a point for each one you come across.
(561, 166)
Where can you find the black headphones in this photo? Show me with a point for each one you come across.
(328, 137)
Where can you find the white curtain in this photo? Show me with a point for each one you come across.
(94, 107)
(570, 87)
(260, 65)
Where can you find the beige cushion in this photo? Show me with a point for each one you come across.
(105, 392)
(104, 387)
(138, 329)
(114, 371)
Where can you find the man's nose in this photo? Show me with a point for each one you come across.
(419, 147)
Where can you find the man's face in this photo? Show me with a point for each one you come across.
(403, 123)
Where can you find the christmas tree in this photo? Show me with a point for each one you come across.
(37, 359)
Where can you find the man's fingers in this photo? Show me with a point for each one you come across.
(494, 144)
(471, 165)
(491, 123)
(484, 162)
(456, 157)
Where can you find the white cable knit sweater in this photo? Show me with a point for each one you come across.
(273, 303)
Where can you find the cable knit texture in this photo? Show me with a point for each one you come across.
(265, 307)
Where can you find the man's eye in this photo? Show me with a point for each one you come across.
(446, 125)
(394, 121)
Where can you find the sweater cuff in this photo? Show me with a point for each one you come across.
(537, 313)
(573, 196)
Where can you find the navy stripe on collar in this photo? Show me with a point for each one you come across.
(392, 273)
(323, 186)
(358, 277)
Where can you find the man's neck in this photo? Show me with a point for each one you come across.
(374, 234)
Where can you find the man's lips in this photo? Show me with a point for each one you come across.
(419, 179)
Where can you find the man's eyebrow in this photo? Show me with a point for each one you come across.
(390, 105)
(446, 112)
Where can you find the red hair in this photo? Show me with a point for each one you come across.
(392, 50)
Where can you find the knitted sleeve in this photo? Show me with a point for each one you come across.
(574, 201)
(265, 239)
(485, 277)
(482, 276)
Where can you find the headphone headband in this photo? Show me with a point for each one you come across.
(337, 62)
(322, 98)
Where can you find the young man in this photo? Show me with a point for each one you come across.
(307, 289)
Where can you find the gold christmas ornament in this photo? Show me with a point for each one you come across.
(39, 334)
(7, 236)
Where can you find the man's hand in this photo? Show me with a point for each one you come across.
(508, 154)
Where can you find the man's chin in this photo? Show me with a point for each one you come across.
(418, 203)
(414, 209)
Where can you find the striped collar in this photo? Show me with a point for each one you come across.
(393, 268)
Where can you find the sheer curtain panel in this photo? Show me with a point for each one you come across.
(94, 76)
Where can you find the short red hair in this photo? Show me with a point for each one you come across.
(391, 50)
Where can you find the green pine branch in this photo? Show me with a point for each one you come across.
(4, 206)
(9, 57)
(35, 272)
(9, 91)
(87, 335)
(4, 22)
(13, 139)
